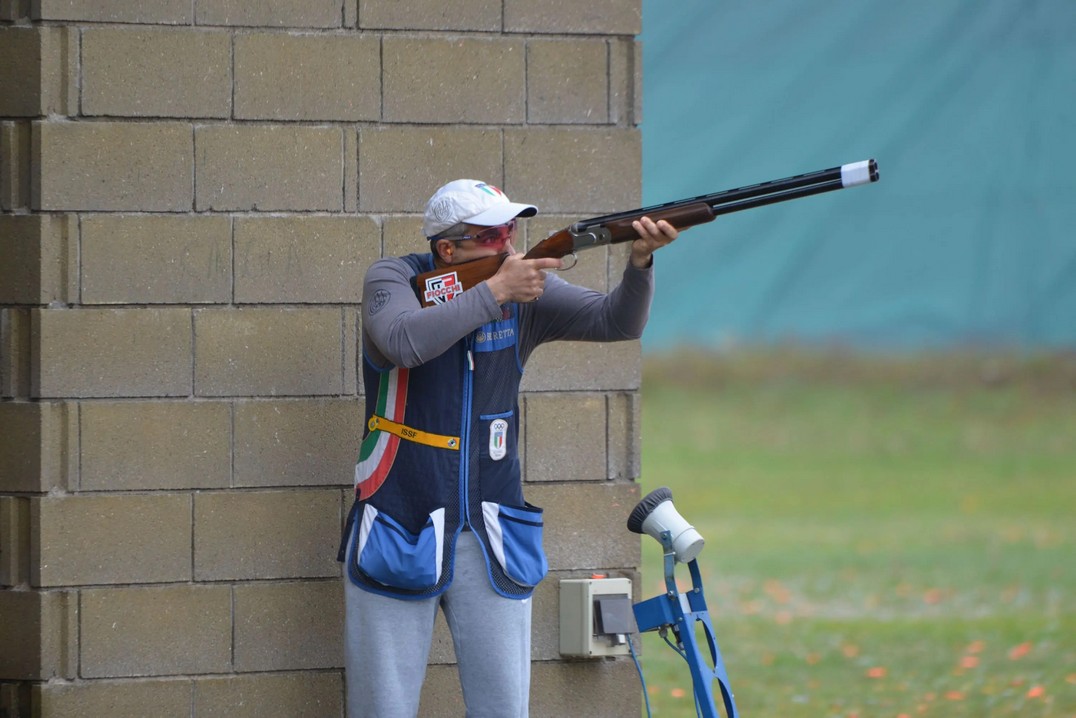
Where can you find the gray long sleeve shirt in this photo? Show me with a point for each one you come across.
(397, 331)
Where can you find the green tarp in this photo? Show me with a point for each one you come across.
(969, 106)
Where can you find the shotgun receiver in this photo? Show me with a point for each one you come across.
(440, 285)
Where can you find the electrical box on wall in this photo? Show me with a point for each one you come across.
(596, 617)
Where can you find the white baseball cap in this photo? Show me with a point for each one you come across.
(473, 202)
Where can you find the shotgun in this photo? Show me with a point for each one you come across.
(440, 285)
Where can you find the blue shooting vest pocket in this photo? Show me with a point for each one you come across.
(392, 556)
(515, 536)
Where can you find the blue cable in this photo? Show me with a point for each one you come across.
(639, 669)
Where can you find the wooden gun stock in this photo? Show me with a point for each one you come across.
(441, 285)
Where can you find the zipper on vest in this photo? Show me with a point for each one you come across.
(465, 433)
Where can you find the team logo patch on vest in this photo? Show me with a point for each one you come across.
(442, 288)
(498, 439)
(495, 336)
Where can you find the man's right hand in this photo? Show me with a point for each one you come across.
(520, 280)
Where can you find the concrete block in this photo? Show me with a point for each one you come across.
(618, 261)
(36, 254)
(307, 694)
(307, 77)
(124, 538)
(600, 17)
(15, 176)
(565, 434)
(38, 446)
(583, 366)
(568, 81)
(14, 353)
(270, 13)
(141, 445)
(146, 259)
(625, 82)
(268, 352)
(578, 688)
(307, 259)
(297, 442)
(403, 235)
(20, 71)
(545, 619)
(111, 352)
(166, 12)
(401, 167)
(351, 170)
(441, 648)
(468, 15)
(269, 168)
(596, 689)
(352, 352)
(152, 72)
(11, 11)
(155, 631)
(289, 626)
(624, 429)
(265, 534)
(37, 71)
(441, 693)
(473, 80)
(169, 698)
(575, 171)
(586, 525)
(39, 634)
(14, 541)
(15, 698)
(112, 166)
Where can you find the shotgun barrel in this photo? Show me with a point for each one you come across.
(756, 195)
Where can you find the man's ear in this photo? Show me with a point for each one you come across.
(445, 249)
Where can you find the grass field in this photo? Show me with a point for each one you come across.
(884, 538)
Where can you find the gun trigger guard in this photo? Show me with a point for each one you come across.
(567, 266)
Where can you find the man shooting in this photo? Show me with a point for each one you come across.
(440, 520)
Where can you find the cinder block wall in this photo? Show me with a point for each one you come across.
(191, 191)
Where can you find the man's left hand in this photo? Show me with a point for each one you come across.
(652, 237)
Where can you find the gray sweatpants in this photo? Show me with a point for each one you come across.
(388, 644)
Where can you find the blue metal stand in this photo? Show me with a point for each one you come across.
(679, 612)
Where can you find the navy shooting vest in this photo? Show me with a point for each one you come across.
(440, 453)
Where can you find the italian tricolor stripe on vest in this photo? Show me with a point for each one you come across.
(378, 449)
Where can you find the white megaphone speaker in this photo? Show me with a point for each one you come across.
(655, 515)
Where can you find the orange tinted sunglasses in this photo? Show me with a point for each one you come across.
(489, 237)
